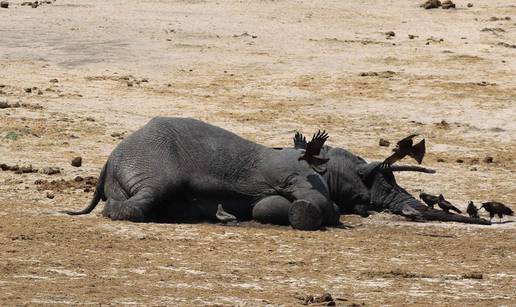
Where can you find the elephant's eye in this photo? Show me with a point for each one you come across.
(277, 148)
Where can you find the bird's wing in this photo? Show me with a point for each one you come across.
(313, 149)
(406, 142)
(299, 141)
(418, 151)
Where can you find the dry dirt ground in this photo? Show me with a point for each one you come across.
(262, 69)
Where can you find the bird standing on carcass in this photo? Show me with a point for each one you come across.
(494, 207)
(446, 205)
(472, 210)
(430, 200)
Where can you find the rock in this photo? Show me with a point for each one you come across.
(390, 34)
(90, 119)
(473, 169)
(50, 195)
(26, 169)
(50, 170)
(488, 159)
(118, 135)
(470, 5)
(473, 275)
(410, 36)
(4, 104)
(384, 142)
(4, 4)
(459, 161)
(431, 4)
(326, 297)
(447, 4)
(54, 80)
(28, 90)
(503, 44)
(77, 161)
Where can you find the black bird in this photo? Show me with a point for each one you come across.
(313, 149)
(404, 148)
(223, 216)
(472, 210)
(446, 205)
(494, 207)
(429, 199)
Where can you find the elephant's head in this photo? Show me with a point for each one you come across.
(360, 187)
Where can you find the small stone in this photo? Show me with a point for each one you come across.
(441, 160)
(448, 5)
(469, 5)
(4, 4)
(130, 84)
(390, 34)
(488, 159)
(459, 161)
(90, 119)
(78, 179)
(50, 195)
(410, 36)
(54, 80)
(473, 275)
(473, 169)
(384, 143)
(431, 4)
(50, 170)
(28, 90)
(77, 161)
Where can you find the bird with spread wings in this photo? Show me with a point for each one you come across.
(312, 149)
(405, 148)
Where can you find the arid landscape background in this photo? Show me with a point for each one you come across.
(78, 76)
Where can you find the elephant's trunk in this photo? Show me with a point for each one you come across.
(430, 214)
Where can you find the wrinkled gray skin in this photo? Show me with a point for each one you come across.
(180, 169)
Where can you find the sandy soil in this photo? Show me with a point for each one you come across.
(262, 69)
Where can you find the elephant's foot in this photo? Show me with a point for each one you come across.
(304, 215)
(123, 210)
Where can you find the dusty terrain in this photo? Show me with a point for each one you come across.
(98, 70)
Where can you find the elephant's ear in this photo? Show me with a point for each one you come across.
(367, 169)
(299, 141)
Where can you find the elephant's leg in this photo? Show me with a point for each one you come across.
(278, 210)
(304, 215)
(135, 209)
(272, 210)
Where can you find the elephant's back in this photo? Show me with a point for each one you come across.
(190, 151)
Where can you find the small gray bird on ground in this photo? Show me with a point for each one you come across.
(494, 207)
(223, 216)
(429, 199)
(446, 205)
(472, 210)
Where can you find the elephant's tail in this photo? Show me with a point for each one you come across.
(97, 196)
